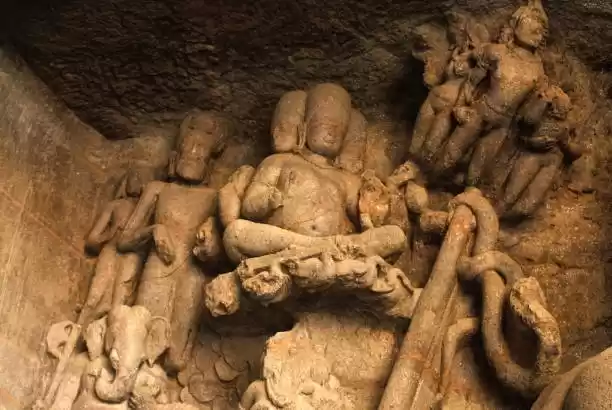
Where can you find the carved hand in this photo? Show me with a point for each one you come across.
(163, 244)
(208, 243)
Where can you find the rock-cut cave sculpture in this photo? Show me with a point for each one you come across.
(118, 365)
(171, 281)
(490, 116)
(116, 274)
(317, 232)
(302, 222)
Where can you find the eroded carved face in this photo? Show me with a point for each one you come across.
(325, 142)
(462, 64)
(202, 136)
(530, 31)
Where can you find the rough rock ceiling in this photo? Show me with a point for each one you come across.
(125, 65)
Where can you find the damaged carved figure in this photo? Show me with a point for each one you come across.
(503, 126)
(334, 273)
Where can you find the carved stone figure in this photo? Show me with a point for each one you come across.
(169, 214)
(118, 345)
(435, 119)
(116, 274)
(543, 143)
(507, 88)
(285, 221)
(308, 368)
(292, 198)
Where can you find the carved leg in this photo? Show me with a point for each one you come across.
(157, 287)
(484, 154)
(438, 135)
(185, 316)
(536, 191)
(499, 173)
(126, 282)
(421, 129)
(459, 142)
(523, 172)
(99, 296)
(244, 239)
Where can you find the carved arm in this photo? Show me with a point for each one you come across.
(137, 232)
(262, 196)
(231, 195)
(104, 229)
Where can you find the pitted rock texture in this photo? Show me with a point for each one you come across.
(127, 65)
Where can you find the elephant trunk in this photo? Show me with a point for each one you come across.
(118, 389)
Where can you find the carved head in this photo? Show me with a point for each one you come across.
(560, 103)
(506, 35)
(328, 111)
(135, 179)
(202, 136)
(462, 64)
(530, 24)
(129, 336)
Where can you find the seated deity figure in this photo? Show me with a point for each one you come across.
(513, 70)
(299, 194)
(169, 214)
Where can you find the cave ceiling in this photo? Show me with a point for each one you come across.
(126, 65)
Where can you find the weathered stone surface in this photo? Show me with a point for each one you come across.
(124, 65)
(49, 194)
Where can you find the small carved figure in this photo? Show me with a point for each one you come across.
(118, 345)
(507, 87)
(171, 281)
(543, 142)
(374, 199)
(435, 119)
(116, 274)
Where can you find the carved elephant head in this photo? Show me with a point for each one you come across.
(129, 336)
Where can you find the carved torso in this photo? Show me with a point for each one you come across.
(514, 73)
(314, 197)
(122, 210)
(182, 208)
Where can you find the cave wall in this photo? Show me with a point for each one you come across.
(125, 66)
(49, 193)
(55, 173)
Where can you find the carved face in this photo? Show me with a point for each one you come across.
(324, 141)
(202, 136)
(129, 336)
(530, 31)
(462, 64)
